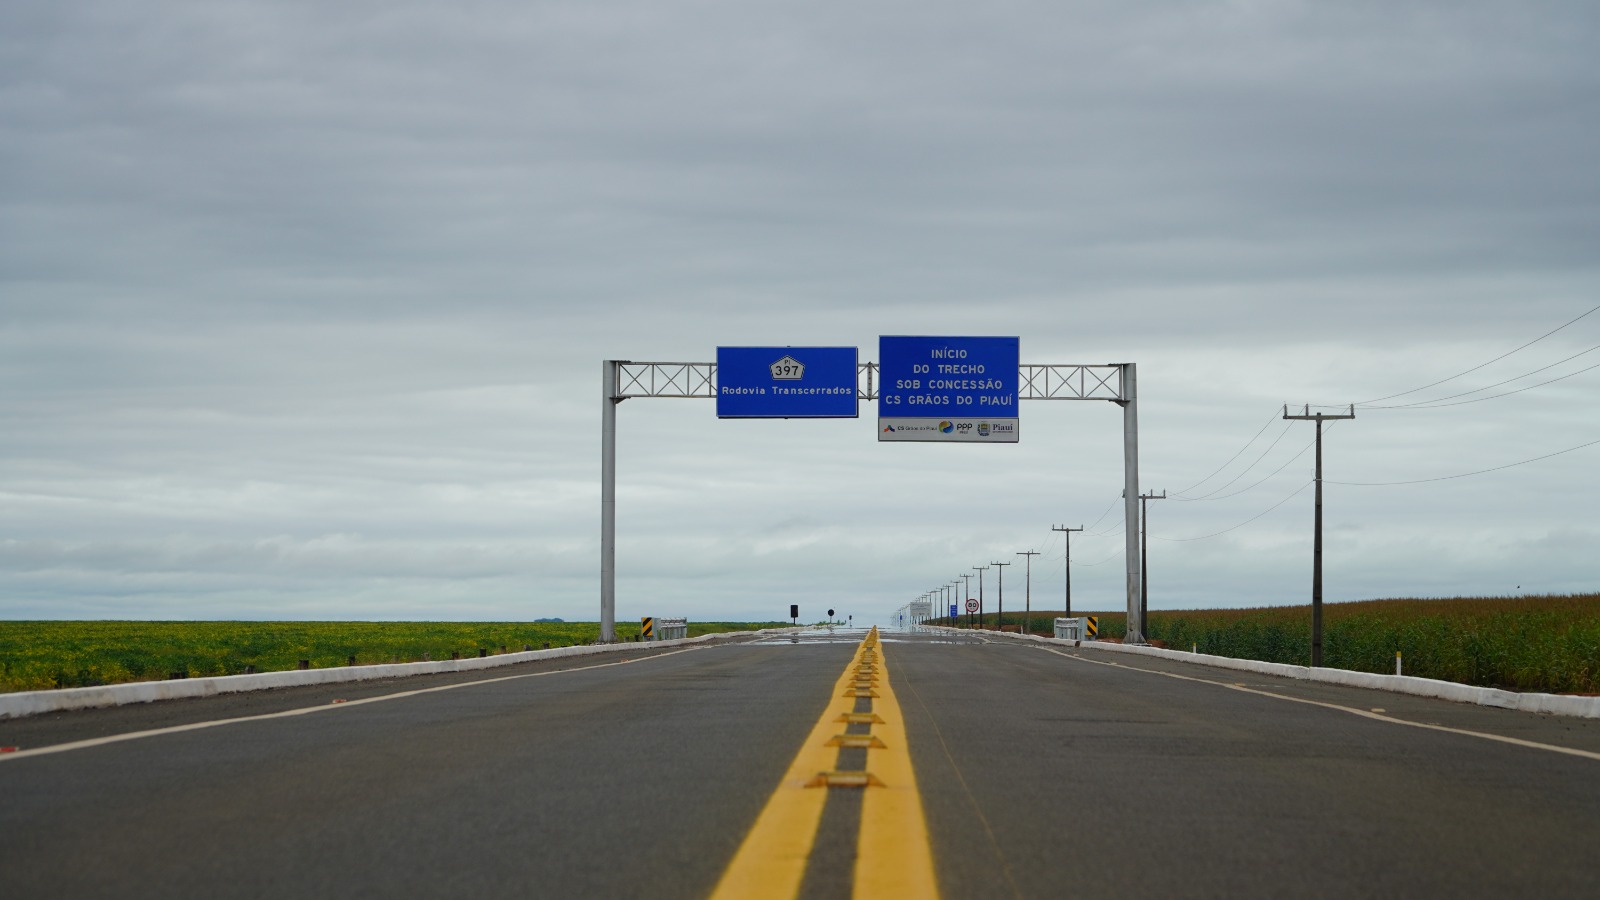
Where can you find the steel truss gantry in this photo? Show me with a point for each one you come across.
(625, 379)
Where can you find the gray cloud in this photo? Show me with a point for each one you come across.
(302, 307)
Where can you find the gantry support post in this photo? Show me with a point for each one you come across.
(608, 501)
(1130, 500)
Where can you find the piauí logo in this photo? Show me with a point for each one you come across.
(888, 428)
(947, 427)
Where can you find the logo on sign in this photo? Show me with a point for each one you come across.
(983, 429)
(788, 369)
(946, 427)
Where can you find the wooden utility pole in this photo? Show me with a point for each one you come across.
(1144, 558)
(965, 596)
(1316, 552)
(1027, 590)
(1067, 537)
(1000, 617)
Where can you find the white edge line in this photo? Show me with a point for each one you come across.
(1365, 713)
(305, 710)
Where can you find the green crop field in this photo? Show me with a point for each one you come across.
(38, 655)
(1545, 643)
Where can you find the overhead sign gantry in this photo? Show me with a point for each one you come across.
(766, 380)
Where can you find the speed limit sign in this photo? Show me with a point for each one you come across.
(972, 605)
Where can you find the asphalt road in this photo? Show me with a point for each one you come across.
(1041, 774)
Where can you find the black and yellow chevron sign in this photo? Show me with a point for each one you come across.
(647, 626)
(1094, 627)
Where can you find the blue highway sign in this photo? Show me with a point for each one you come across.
(787, 383)
(948, 389)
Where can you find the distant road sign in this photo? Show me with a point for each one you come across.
(787, 383)
(948, 389)
(952, 610)
(972, 605)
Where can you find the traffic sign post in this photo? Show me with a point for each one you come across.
(948, 389)
(972, 607)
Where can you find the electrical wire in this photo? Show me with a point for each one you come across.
(1235, 456)
(1246, 521)
(1433, 404)
(1327, 429)
(1477, 367)
(1463, 474)
(1489, 387)
(1232, 481)
(1109, 508)
(1114, 555)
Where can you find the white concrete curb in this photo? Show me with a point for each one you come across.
(1555, 704)
(30, 703)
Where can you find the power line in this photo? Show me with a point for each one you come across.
(1477, 367)
(1270, 420)
(1463, 474)
(1109, 507)
(1425, 403)
(1252, 487)
(1234, 479)
(1434, 404)
(1258, 515)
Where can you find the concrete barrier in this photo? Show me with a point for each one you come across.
(1555, 704)
(30, 703)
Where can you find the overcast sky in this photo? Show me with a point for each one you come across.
(303, 305)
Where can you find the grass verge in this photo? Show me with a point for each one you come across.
(1540, 643)
(39, 655)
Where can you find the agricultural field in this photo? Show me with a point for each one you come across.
(39, 655)
(1541, 643)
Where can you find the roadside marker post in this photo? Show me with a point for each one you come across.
(647, 628)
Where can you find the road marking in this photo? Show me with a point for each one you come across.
(892, 854)
(771, 861)
(307, 710)
(1375, 713)
(893, 858)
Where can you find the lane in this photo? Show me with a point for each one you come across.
(1045, 775)
(1040, 774)
(616, 781)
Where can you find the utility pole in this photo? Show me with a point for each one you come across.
(967, 579)
(1000, 617)
(1316, 553)
(1144, 558)
(1067, 537)
(981, 570)
(1027, 589)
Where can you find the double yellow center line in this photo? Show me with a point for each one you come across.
(892, 855)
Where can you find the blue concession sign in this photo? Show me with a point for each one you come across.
(948, 389)
(786, 383)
